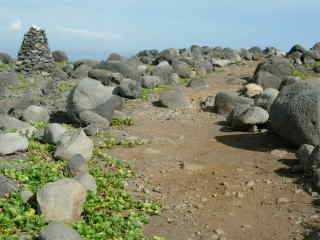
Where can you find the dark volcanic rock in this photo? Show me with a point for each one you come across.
(295, 113)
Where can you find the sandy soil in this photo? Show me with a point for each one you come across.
(211, 180)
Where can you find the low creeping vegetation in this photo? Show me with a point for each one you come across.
(146, 92)
(119, 122)
(111, 213)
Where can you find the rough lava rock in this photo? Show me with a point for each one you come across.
(59, 231)
(73, 143)
(226, 101)
(61, 200)
(36, 114)
(174, 99)
(295, 113)
(12, 142)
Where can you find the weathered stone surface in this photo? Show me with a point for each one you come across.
(7, 186)
(81, 71)
(267, 98)
(60, 56)
(77, 165)
(130, 88)
(87, 181)
(61, 200)
(226, 101)
(8, 123)
(252, 90)
(164, 71)
(58, 231)
(295, 113)
(303, 154)
(34, 54)
(88, 95)
(174, 99)
(53, 133)
(150, 81)
(12, 142)
(73, 143)
(89, 117)
(198, 84)
(36, 114)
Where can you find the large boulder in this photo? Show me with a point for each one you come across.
(93, 96)
(53, 133)
(105, 77)
(272, 72)
(11, 124)
(183, 69)
(36, 114)
(73, 143)
(61, 200)
(150, 81)
(226, 101)
(126, 68)
(87, 181)
(81, 71)
(267, 98)
(244, 116)
(60, 56)
(164, 70)
(174, 99)
(7, 186)
(295, 113)
(12, 142)
(130, 88)
(5, 58)
(59, 231)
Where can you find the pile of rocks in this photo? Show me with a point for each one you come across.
(34, 54)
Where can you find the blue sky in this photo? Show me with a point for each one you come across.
(92, 29)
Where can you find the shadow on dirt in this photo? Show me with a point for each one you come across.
(260, 142)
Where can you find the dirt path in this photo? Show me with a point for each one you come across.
(209, 179)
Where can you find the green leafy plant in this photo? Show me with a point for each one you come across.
(125, 121)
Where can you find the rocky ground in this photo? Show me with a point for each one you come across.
(196, 143)
(214, 183)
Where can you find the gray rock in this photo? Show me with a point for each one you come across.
(58, 231)
(87, 181)
(220, 62)
(151, 81)
(233, 119)
(208, 104)
(89, 62)
(89, 117)
(271, 73)
(226, 101)
(105, 77)
(77, 165)
(88, 95)
(12, 142)
(254, 116)
(60, 56)
(130, 89)
(303, 154)
(5, 58)
(295, 113)
(26, 195)
(174, 99)
(114, 57)
(125, 68)
(8, 123)
(107, 109)
(36, 114)
(290, 80)
(81, 71)
(73, 143)
(53, 133)
(7, 186)
(164, 71)
(61, 200)
(183, 70)
(198, 84)
(314, 160)
(268, 80)
(267, 98)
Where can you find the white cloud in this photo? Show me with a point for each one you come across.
(90, 34)
(15, 26)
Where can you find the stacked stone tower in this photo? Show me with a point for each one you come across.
(34, 55)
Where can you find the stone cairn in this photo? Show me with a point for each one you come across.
(34, 54)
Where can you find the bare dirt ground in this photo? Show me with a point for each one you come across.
(208, 179)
